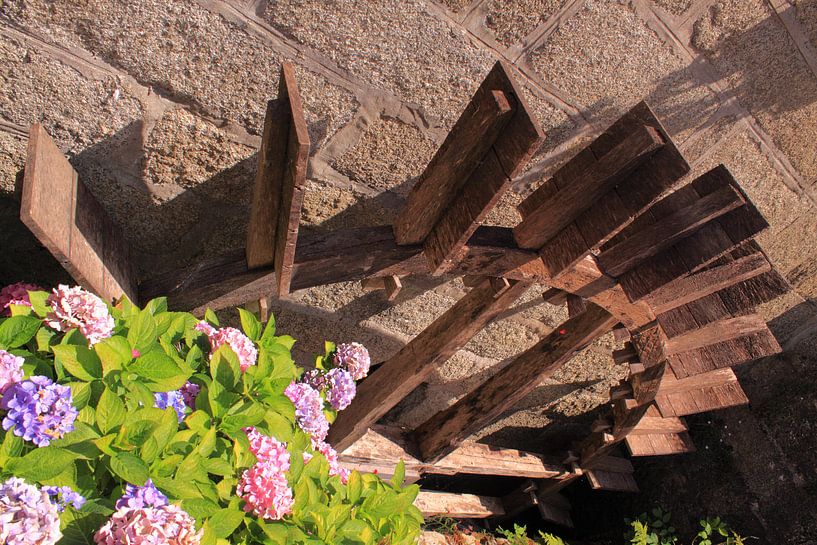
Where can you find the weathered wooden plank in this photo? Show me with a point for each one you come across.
(278, 192)
(390, 284)
(657, 425)
(667, 231)
(625, 355)
(722, 330)
(659, 444)
(622, 204)
(750, 346)
(407, 369)
(608, 480)
(555, 297)
(386, 446)
(473, 135)
(67, 219)
(709, 391)
(557, 212)
(444, 431)
(575, 305)
(555, 508)
(465, 506)
(685, 290)
(647, 382)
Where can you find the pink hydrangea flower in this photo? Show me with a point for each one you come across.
(27, 516)
(354, 358)
(11, 370)
(268, 449)
(341, 390)
(163, 525)
(308, 409)
(331, 456)
(265, 491)
(15, 294)
(75, 307)
(238, 342)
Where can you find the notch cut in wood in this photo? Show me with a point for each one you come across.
(277, 199)
(390, 284)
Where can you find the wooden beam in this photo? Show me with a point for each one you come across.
(610, 480)
(410, 366)
(67, 219)
(497, 119)
(440, 434)
(575, 305)
(278, 193)
(383, 446)
(563, 207)
(345, 255)
(647, 382)
(722, 330)
(656, 425)
(459, 506)
(390, 284)
(709, 391)
(555, 297)
(667, 231)
(659, 444)
(685, 290)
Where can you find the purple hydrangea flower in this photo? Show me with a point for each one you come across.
(27, 517)
(64, 496)
(190, 392)
(140, 497)
(11, 370)
(15, 294)
(315, 378)
(174, 399)
(38, 410)
(341, 389)
(354, 358)
(165, 525)
(308, 409)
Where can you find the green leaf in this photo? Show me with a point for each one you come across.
(211, 318)
(18, 330)
(399, 474)
(224, 367)
(142, 332)
(218, 466)
(11, 447)
(78, 527)
(38, 302)
(130, 468)
(80, 361)
(80, 393)
(41, 464)
(110, 411)
(200, 508)
(224, 522)
(44, 338)
(160, 370)
(114, 353)
(354, 488)
(268, 337)
(156, 306)
(250, 324)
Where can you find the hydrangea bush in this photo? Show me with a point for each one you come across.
(123, 425)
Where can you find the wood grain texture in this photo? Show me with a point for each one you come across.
(659, 444)
(668, 230)
(722, 330)
(609, 480)
(473, 135)
(704, 392)
(407, 369)
(444, 431)
(67, 219)
(708, 281)
(467, 506)
(558, 211)
(386, 446)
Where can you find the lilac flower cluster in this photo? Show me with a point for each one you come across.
(308, 409)
(38, 410)
(15, 294)
(341, 390)
(27, 517)
(163, 525)
(264, 487)
(354, 358)
(190, 392)
(139, 497)
(238, 342)
(173, 398)
(77, 308)
(11, 370)
(315, 378)
(64, 496)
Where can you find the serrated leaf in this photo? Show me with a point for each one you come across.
(130, 468)
(80, 361)
(211, 318)
(18, 330)
(114, 353)
(41, 464)
(142, 331)
(110, 411)
(225, 522)
(250, 324)
(399, 474)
